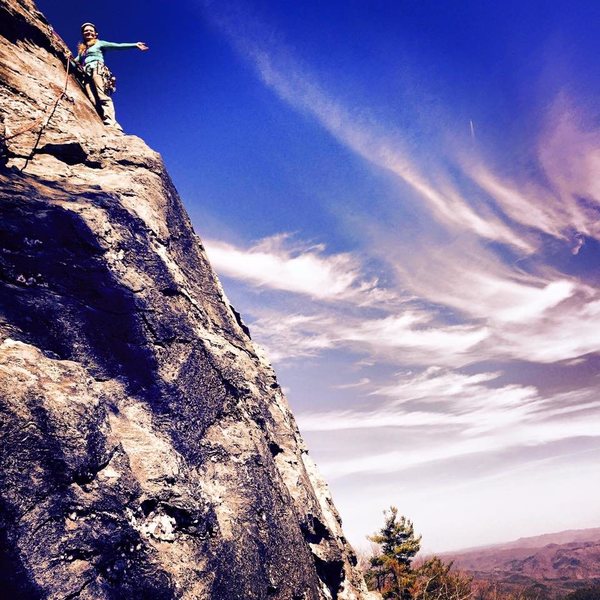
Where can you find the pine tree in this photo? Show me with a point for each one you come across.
(390, 571)
(397, 538)
(392, 574)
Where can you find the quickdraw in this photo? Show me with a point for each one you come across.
(108, 79)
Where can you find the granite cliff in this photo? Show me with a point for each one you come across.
(147, 448)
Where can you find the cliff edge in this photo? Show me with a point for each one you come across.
(147, 448)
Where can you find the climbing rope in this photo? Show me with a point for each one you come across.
(40, 119)
(54, 107)
(48, 113)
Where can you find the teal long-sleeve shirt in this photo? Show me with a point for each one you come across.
(94, 55)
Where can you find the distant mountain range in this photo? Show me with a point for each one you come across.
(555, 562)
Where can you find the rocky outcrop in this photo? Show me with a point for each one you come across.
(147, 449)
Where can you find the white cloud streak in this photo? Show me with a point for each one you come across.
(286, 337)
(479, 284)
(357, 384)
(471, 416)
(409, 337)
(438, 398)
(296, 86)
(272, 263)
(502, 439)
(533, 317)
(568, 153)
(518, 315)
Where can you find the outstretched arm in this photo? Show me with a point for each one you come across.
(115, 46)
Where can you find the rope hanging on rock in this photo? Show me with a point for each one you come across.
(49, 112)
(53, 107)
(40, 119)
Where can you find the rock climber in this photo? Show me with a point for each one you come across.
(90, 55)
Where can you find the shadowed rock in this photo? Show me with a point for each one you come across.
(147, 449)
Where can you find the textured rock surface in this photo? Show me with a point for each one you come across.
(147, 449)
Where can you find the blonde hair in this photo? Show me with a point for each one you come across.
(83, 46)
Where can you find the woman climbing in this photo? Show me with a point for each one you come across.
(91, 57)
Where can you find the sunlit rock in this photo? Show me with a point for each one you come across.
(147, 448)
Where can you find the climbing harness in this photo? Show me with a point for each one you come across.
(108, 79)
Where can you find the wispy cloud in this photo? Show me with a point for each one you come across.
(546, 327)
(293, 83)
(279, 263)
(567, 204)
(448, 450)
(562, 335)
(438, 397)
(569, 152)
(295, 336)
(411, 331)
(505, 211)
(470, 416)
(469, 390)
(408, 337)
(467, 275)
(357, 384)
(472, 279)
(481, 285)
(494, 297)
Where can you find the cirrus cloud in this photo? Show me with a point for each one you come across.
(303, 269)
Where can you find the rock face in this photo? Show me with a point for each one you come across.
(147, 449)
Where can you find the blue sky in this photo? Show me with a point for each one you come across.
(402, 199)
